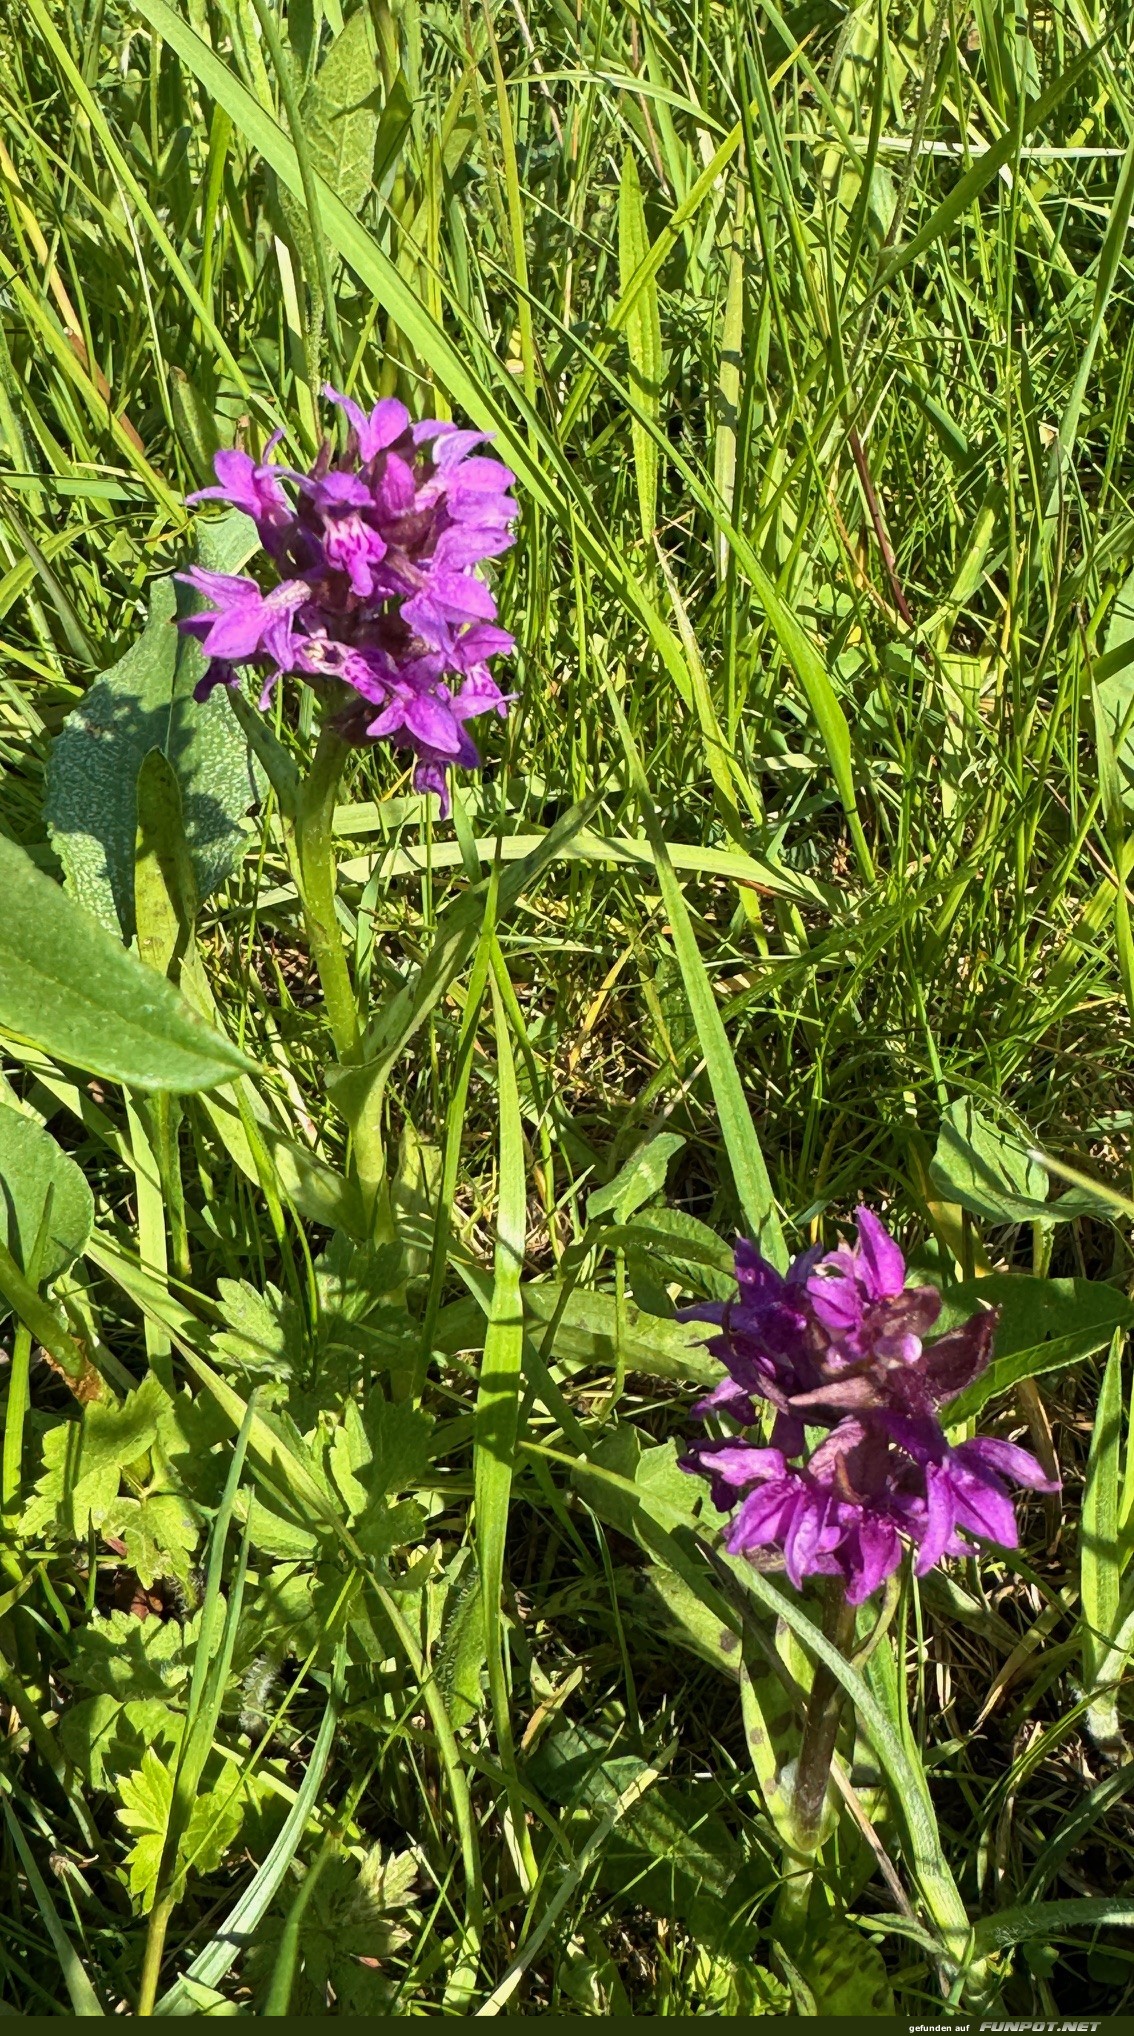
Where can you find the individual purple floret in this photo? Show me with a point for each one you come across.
(838, 1343)
(378, 591)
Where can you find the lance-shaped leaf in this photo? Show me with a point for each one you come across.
(70, 987)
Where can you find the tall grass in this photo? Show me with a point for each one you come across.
(809, 338)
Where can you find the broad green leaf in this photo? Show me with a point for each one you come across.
(988, 1171)
(846, 1972)
(1051, 1919)
(638, 1181)
(146, 1802)
(32, 1165)
(120, 1656)
(340, 118)
(1044, 1326)
(996, 1176)
(83, 1461)
(160, 1533)
(68, 986)
(146, 702)
(497, 1412)
(643, 339)
(340, 126)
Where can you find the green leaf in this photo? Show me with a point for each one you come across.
(160, 1532)
(86, 1733)
(145, 1802)
(1048, 1919)
(165, 888)
(31, 1166)
(1045, 1325)
(340, 119)
(643, 339)
(120, 1656)
(379, 1450)
(68, 986)
(988, 1171)
(263, 1332)
(1114, 689)
(1100, 1564)
(846, 1973)
(638, 1181)
(145, 702)
(83, 1461)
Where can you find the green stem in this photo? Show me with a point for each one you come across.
(155, 1947)
(316, 879)
(360, 1100)
(19, 1399)
(813, 1771)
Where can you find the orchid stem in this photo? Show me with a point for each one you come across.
(813, 1770)
(316, 874)
(316, 879)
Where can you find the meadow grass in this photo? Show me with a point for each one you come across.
(809, 338)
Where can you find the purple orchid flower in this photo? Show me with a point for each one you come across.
(838, 1343)
(379, 592)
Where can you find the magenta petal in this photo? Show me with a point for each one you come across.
(1007, 1459)
(431, 722)
(880, 1257)
(938, 1521)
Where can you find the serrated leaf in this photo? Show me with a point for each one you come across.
(68, 986)
(145, 1797)
(160, 1532)
(86, 1733)
(263, 1332)
(638, 1181)
(379, 1450)
(145, 1800)
(122, 1656)
(31, 1166)
(349, 1926)
(145, 702)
